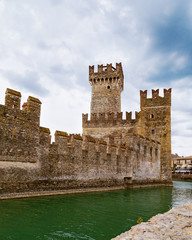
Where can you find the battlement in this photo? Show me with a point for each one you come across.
(109, 118)
(111, 148)
(156, 100)
(107, 74)
(134, 142)
(13, 92)
(19, 129)
(33, 99)
(12, 108)
(45, 130)
(12, 99)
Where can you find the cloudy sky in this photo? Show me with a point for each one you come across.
(46, 47)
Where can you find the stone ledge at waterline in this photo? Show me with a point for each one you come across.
(174, 224)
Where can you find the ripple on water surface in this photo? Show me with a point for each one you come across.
(90, 216)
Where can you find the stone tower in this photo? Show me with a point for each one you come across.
(152, 122)
(107, 85)
(156, 124)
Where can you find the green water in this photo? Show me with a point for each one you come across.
(88, 216)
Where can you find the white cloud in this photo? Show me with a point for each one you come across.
(46, 47)
(63, 109)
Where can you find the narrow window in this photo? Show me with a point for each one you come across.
(156, 152)
(108, 87)
(151, 116)
(145, 150)
(151, 151)
(153, 131)
(138, 146)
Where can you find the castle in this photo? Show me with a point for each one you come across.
(112, 151)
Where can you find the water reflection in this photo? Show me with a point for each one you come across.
(182, 193)
(91, 216)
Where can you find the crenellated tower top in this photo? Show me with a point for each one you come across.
(107, 84)
(107, 74)
(156, 100)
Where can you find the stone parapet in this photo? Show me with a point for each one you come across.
(19, 129)
(109, 119)
(111, 151)
(106, 74)
(156, 100)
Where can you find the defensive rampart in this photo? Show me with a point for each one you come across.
(30, 162)
(101, 124)
(156, 100)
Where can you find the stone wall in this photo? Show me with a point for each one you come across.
(101, 124)
(107, 85)
(155, 123)
(30, 162)
(76, 162)
(182, 177)
(19, 129)
(175, 224)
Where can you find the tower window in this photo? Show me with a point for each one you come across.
(108, 87)
(153, 131)
(151, 116)
(156, 152)
(138, 146)
(145, 150)
(151, 151)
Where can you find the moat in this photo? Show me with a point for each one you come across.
(90, 216)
